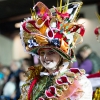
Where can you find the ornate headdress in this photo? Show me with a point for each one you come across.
(52, 28)
(97, 29)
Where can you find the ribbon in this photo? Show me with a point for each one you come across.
(31, 87)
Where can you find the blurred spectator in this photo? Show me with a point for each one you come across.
(5, 72)
(10, 88)
(15, 71)
(87, 59)
(22, 78)
(26, 62)
(1, 74)
(1, 80)
(1, 77)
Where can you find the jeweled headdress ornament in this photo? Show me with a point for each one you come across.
(54, 28)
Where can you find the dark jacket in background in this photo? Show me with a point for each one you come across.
(95, 59)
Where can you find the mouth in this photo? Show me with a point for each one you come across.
(47, 62)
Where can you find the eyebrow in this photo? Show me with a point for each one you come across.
(43, 49)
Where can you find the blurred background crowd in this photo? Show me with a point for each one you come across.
(87, 59)
(14, 61)
(13, 77)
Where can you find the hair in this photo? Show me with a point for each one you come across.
(28, 61)
(83, 48)
(61, 62)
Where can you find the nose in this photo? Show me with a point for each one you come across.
(46, 56)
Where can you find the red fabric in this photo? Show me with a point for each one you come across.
(76, 27)
(94, 75)
(64, 15)
(50, 34)
(32, 22)
(58, 35)
(24, 27)
(75, 70)
(82, 31)
(58, 25)
(31, 87)
(96, 31)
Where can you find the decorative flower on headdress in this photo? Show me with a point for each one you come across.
(97, 29)
(54, 28)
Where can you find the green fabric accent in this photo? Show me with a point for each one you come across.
(61, 31)
(71, 45)
(57, 50)
(74, 59)
(34, 50)
(68, 21)
(68, 32)
(60, 25)
(67, 40)
(66, 27)
(64, 55)
(41, 86)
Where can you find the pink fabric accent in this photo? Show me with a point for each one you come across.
(70, 92)
(73, 88)
(36, 59)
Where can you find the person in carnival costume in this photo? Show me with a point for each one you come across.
(52, 34)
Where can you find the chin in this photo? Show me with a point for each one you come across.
(50, 66)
